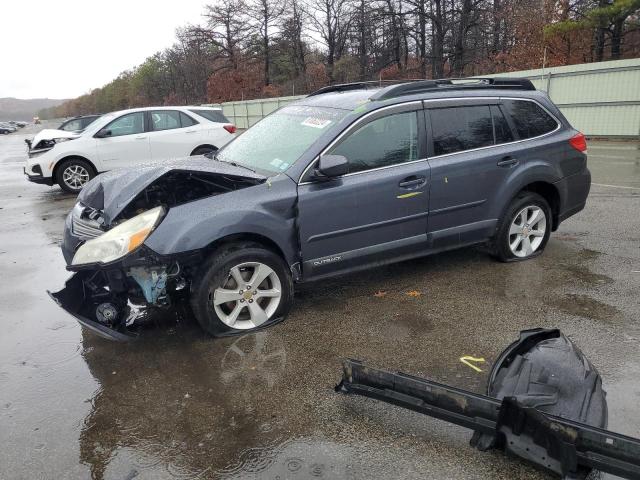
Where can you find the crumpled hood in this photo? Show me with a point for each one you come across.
(51, 133)
(112, 191)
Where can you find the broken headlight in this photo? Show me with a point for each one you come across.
(120, 240)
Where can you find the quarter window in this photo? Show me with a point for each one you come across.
(212, 115)
(529, 118)
(461, 128)
(386, 141)
(165, 120)
(128, 124)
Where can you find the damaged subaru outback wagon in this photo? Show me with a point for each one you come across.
(350, 177)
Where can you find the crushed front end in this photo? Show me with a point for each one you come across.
(117, 277)
(110, 299)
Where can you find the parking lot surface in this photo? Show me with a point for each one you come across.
(178, 404)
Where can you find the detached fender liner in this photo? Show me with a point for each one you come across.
(545, 406)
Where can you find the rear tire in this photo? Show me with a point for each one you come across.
(524, 229)
(73, 174)
(241, 288)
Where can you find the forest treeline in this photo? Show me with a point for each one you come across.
(245, 49)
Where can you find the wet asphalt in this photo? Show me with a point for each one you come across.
(177, 404)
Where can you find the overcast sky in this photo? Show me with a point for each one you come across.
(64, 48)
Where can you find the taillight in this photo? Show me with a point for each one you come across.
(579, 142)
(230, 128)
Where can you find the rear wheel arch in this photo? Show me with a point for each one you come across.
(550, 193)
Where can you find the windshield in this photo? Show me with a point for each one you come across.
(276, 142)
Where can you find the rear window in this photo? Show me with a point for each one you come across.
(212, 115)
(529, 118)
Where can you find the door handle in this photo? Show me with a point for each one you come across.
(412, 182)
(190, 131)
(508, 162)
(141, 137)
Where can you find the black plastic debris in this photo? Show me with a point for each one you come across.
(545, 405)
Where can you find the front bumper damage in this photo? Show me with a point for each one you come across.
(114, 300)
(73, 299)
(545, 405)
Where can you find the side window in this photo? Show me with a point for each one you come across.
(165, 120)
(212, 115)
(529, 118)
(128, 124)
(88, 121)
(501, 128)
(186, 120)
(461, 128)
(72, 125)
(385, 141)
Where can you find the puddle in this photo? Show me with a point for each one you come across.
(585, 306)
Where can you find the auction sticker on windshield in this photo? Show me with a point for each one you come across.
(315, 122)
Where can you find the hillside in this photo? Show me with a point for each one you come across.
(24, 109)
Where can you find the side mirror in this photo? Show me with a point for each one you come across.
(105, 132)
(330, 166)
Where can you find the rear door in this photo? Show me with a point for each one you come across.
(127, 144)
(172, 134)
(378, 211)
(468, 167)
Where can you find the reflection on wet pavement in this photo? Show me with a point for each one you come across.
(178, 404)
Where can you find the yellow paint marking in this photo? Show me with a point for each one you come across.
(468, 359)
(409, 195)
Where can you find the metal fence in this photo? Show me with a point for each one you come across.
(599, 99)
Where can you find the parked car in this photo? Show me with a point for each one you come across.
(344, 179)
(123, 139)
(18, 124)
(78, 124)
(6, 127)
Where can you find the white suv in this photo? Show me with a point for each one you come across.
(126, 138)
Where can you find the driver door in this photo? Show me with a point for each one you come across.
(128, 143)
(378, 211)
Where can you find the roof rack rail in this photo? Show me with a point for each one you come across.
(411, 88)
(343, 87)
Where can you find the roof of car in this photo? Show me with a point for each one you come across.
(351, 96)
(166, 107)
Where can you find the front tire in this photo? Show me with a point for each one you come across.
(73, 174)
(524, 229)
(241, 288)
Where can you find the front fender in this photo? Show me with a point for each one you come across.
(268, 212)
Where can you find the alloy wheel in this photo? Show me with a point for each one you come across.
(75, 176)
(248, 297)
(527, 231)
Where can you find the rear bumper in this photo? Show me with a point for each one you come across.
(575, 190)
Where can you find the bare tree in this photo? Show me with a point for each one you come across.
(266, 14)
(331, 19)
(226, 28)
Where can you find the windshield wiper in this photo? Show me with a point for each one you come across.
(235, 164)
